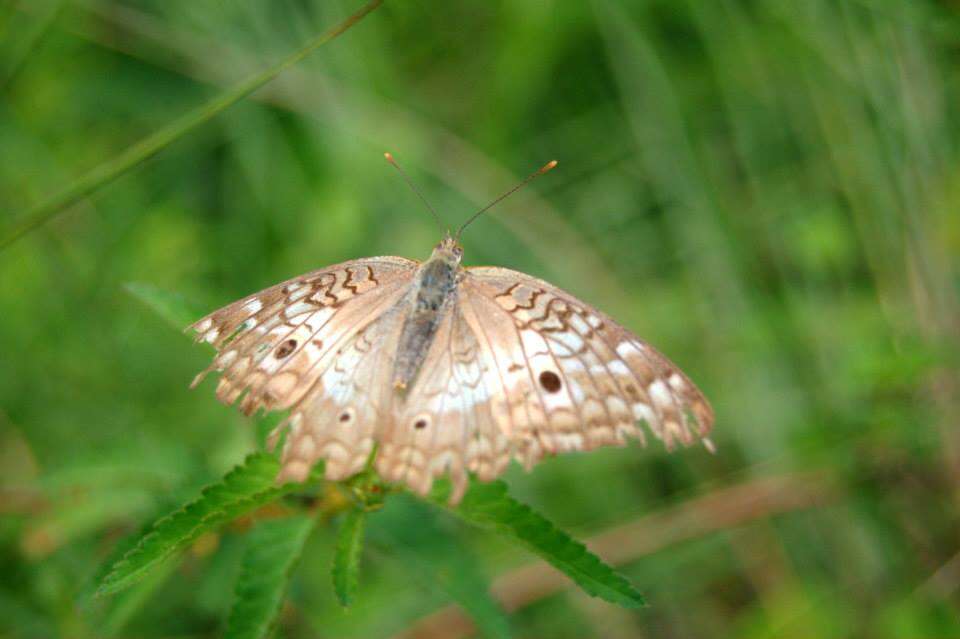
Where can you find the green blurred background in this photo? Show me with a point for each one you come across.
(768, 191)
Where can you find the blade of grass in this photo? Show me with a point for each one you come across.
(167, 135)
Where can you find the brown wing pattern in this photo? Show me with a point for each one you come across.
(573, 379)
(273, 345)
(348, 407)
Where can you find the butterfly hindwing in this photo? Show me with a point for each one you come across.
(444, 423)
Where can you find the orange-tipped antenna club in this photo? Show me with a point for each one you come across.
(543, 169)
(406, 178)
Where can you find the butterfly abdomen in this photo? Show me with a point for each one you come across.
(435, 287)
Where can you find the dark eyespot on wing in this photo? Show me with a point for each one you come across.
(550, 381)
(286, 348)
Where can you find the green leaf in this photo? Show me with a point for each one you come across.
(242, 490)
(488, 506)
(159, 140)
(273, 548)
(431, 553)
(172, 307)
(346, 557)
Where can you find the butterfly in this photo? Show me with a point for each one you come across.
(441, 370)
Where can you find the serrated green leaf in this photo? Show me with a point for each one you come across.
(243, 489)
(488, 506)
(164, 137)
(433, 556)
(273, 548)
(172, 307)
(346, 556)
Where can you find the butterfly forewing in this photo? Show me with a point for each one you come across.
(273, 345)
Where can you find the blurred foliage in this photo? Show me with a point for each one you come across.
(766, 190)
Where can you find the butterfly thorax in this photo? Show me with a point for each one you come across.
(431, 297)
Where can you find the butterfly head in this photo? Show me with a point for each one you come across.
(448, 250)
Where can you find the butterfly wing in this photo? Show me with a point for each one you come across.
(274, 345)
(564, 376)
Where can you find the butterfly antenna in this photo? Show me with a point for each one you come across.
(543, 169)
(413, 187)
